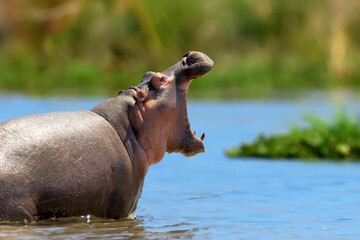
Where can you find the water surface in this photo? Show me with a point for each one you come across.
(212, 197)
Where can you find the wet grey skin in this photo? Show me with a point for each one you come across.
(94, 162)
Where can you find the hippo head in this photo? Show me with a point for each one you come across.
(159, 117)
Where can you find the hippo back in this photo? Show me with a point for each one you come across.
(62, 164)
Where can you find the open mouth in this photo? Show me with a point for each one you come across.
(195, 64)
(190, 143)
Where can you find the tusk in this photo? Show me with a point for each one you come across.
(202, 137)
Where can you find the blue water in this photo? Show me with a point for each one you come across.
(212, 197)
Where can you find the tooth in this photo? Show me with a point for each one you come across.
(202, 137)
(194, 132)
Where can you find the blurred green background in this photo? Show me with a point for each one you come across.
(260, 47)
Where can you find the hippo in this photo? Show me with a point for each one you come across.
(93, 162)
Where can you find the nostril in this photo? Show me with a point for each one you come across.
(187, 54)
(191, 58)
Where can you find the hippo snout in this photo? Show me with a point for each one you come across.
(197, 64)
(193, 57)
(192, 65)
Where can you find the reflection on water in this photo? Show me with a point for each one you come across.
(211, 197)
(92, 227)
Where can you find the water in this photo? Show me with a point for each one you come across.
(212, 197)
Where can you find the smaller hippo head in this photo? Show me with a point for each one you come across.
(159, 117)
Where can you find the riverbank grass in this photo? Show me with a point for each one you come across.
(320, 140)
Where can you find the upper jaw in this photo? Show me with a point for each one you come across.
(192, 65)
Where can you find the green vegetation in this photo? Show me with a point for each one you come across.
(320, 140)
(99, 47)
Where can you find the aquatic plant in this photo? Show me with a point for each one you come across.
(339, 140)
